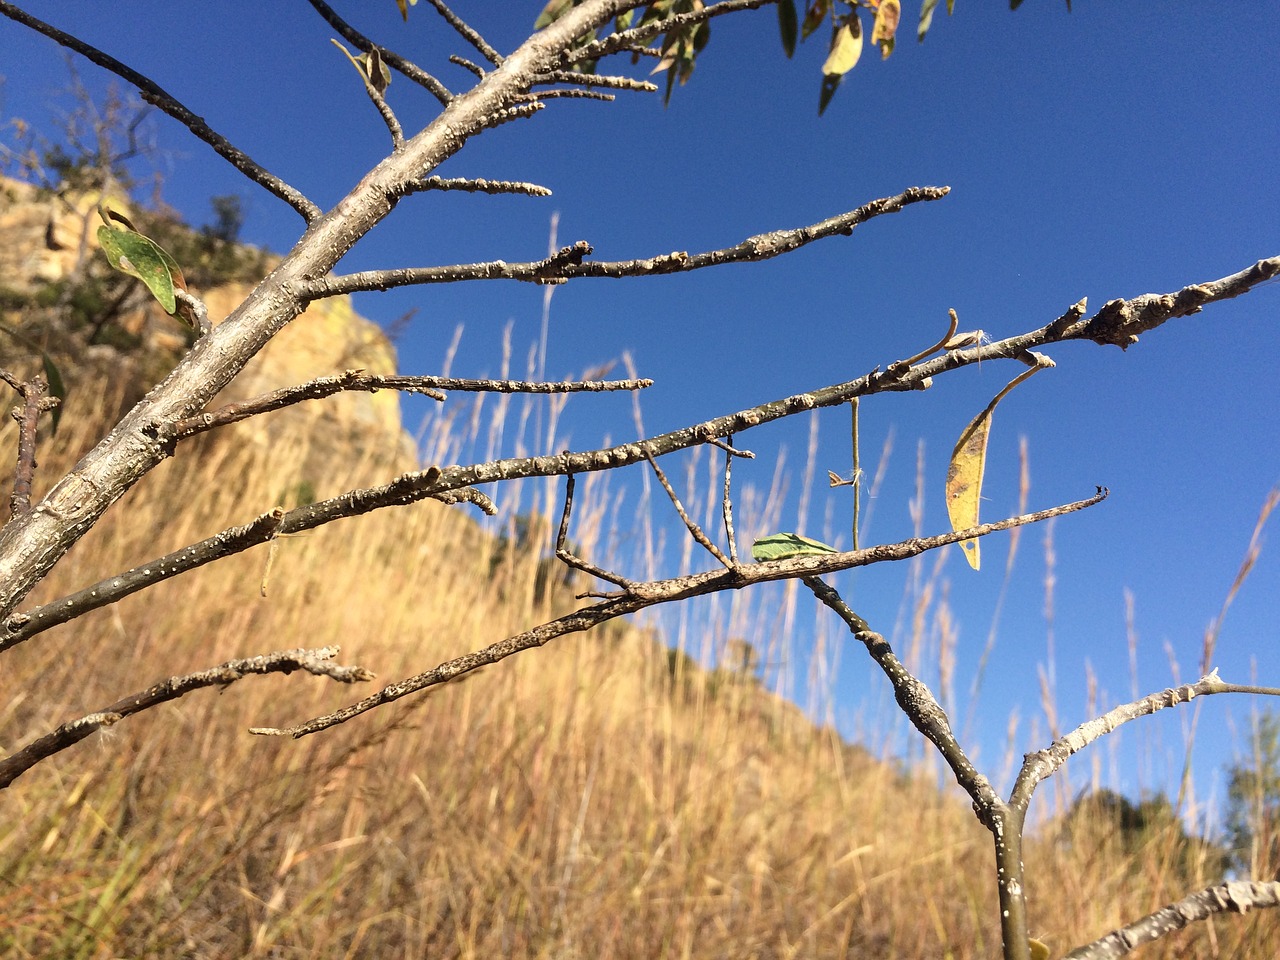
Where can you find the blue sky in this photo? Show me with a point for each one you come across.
(1118, 150)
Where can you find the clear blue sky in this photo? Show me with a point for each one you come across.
(1118, 150)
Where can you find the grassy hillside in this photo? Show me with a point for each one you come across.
(603, 797)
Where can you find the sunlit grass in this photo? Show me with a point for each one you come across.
(611, 795)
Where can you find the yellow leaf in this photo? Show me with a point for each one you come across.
(964, 480)
(1038, 950)
(887, 16)
(846, 48)
(968, 462)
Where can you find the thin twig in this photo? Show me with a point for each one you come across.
(353, 380)
(1040, 765)
(596, 80)
(760, 247)
(286, 661)
(627, 40)
(638, 596)
(562, 543)
(406, 67)
(153, 93)
(369, 72)
(35, 401)
(473, 68)
(467, 32)
(480, 185)
(693, 528)
(726, 500)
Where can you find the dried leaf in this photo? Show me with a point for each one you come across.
(846, 48)
(784, 546)
(964, 473)
(404, 8)
(888, 15)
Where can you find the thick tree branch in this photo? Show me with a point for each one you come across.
(763, 246)
(1237, 897)
(153, 93)
(287, 661)
(33, 543)
(396, 62)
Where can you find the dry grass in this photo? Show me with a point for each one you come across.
(602, 798)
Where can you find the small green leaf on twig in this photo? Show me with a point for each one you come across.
(784, 546)
(131, 253)
(788, 26)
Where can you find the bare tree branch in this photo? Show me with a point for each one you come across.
(1042, 764)
(480, 185)
(313, 661)
(627, 40)
(598, 80)
(763, 246)
(637, 596)
(153, 93)
(404, 490)
(1235, 897)
(467, 32)
(353, 380)
(406, 67)
(35, 401)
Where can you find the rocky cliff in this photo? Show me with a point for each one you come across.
(49, 256)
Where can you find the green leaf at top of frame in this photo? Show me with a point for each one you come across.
(788, 26)
(784, 546)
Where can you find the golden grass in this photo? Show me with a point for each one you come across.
(600, 798)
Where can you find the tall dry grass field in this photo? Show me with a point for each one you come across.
(604, 797)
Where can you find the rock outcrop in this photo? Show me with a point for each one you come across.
(49, 239)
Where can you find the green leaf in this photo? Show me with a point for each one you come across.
(784, 546)
(138, 256)
(552, 12)
(813, 17)
(926, 19)
(788, 26)
(57, 388)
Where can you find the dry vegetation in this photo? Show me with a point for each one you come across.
(604, 797)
